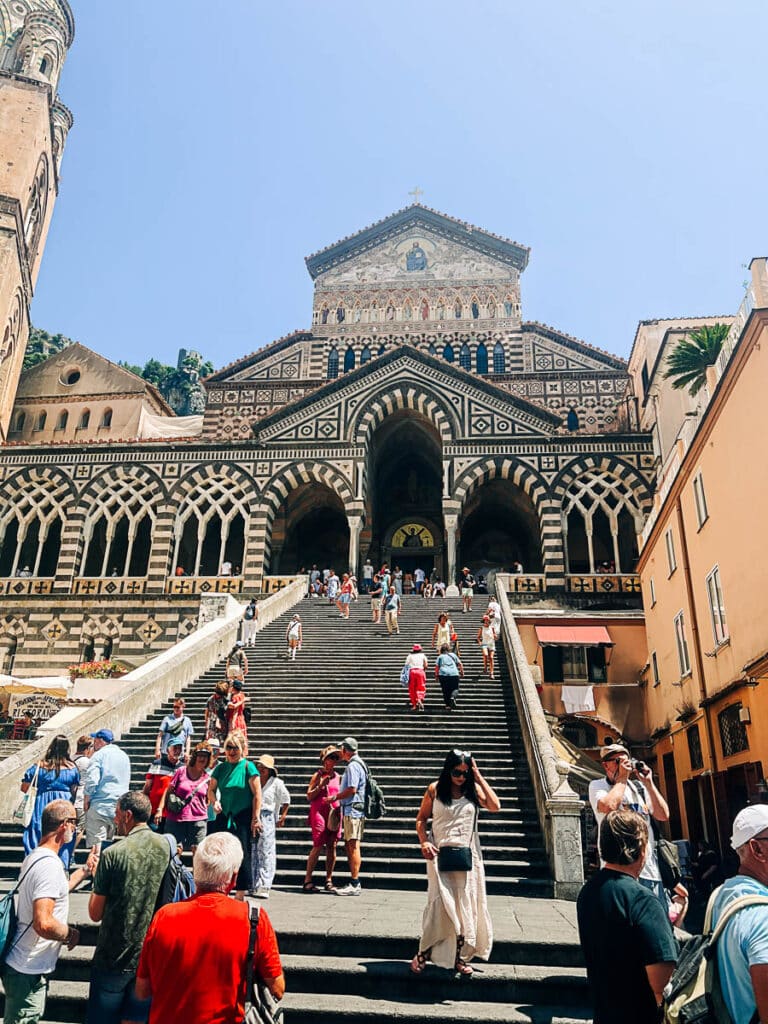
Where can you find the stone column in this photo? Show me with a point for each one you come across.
(451, 522)
(355, 526)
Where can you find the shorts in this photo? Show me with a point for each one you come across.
(345, 598)
(233, 672)
(490, 647)
(467, 592)
(187, 833)
(353, 828)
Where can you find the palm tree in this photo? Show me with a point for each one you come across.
(687, 363)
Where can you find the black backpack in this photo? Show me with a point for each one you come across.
(373, 801)
(178, 883)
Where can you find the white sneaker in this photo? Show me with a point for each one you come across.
(262, 894)
(353, 889)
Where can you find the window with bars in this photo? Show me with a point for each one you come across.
(694, 747)
(716, 607)
(700, 499)
(682, 645)
(733, 734)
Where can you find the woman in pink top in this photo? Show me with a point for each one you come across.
(325, 833)
(189, 785)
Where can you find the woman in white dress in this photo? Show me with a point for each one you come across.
(456, 925)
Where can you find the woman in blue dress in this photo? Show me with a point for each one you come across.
(57, 779)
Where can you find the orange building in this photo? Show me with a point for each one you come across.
(706, 603)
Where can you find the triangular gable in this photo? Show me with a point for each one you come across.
(546, 350)
(466, 406)
(282, 350)
(98, 376)
(415, 216)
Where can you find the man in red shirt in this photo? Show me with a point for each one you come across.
(192, 965)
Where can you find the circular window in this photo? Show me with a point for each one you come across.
(70, 376)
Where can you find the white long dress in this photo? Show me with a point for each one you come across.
(456, 900)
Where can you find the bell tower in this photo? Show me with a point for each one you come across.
(35, 36)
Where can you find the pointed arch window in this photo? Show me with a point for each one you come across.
(349, 359)
(118, 531)
(85, 419)
(572, 421)
(106, 418)
(365, 355)
(475, 308)
(600, 522)
(333, 363)
(448, 353)
(211, 528)
(61, 423)
(432, 351)
(41, 419)
(482, 358)
(457, 309)
(465, 357)
(21, 418)
(31, 520)
(499, 358)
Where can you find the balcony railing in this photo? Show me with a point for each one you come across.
(204, 585)
(109, 585)
(603, 583)
(25, 585)
(523, 583)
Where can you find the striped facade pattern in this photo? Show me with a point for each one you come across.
(618, 468)
(401, 396)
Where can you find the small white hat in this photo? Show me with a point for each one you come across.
(749, 823)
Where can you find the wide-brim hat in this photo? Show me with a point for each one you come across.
(330, 751)
(268, 762)
(416, 647)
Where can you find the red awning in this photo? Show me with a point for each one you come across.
(574, 636)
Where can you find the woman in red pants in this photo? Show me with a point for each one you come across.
(417, 677)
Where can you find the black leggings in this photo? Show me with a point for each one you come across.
(449, 685)
(239, 825)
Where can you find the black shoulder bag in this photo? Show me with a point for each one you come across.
(667, 856)
(457, 858)
(260, 1006)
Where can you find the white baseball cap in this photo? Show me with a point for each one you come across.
(749, 823)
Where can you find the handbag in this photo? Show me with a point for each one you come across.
(260, 1005)
(456, 858)
(26, 806)
(405, 675)
(334, 819)
(175, 804)
(667, 858)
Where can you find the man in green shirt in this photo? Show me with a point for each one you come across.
(125, 890)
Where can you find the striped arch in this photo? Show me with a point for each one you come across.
(115, 478)
(627, 474)
(288, 479)
(214, 474)
(100, 628)
(12, 628)
(35, 508)
(278, 490)
(501, 468)
(375, 410)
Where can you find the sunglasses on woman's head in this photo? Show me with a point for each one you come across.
(463, 754)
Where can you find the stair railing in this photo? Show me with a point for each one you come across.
(144, 689)
(558, 806)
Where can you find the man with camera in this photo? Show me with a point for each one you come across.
(629, 784)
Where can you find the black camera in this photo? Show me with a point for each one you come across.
(639, 766)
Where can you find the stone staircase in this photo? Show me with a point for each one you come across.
(345, 681)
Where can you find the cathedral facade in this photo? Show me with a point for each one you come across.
(419, 419)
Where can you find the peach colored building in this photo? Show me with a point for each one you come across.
(706, 603)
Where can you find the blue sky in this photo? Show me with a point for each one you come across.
(216, 145)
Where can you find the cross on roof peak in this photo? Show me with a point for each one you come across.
(416, 192)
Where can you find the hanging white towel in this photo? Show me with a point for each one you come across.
(577, 698)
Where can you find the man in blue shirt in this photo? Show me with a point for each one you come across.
(351, 796)
(742, 952)
(107, 777)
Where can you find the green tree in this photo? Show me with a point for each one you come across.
(688, 361)
(41, 344)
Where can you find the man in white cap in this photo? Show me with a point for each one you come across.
(631, 785)
(351, 796)
(742, 952)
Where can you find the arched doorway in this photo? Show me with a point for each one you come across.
(310, 528)
(404, 505)
(499, 525)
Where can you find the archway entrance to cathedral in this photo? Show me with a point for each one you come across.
(499, 525)
(310, 528)
(404, 505)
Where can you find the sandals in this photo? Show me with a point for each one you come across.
(329, 886)
(418, 963)
(309, 887)
(460, 966)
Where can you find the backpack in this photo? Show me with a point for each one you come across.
(177, 883)
(8, 917)
(373, 801)
(693, 994)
